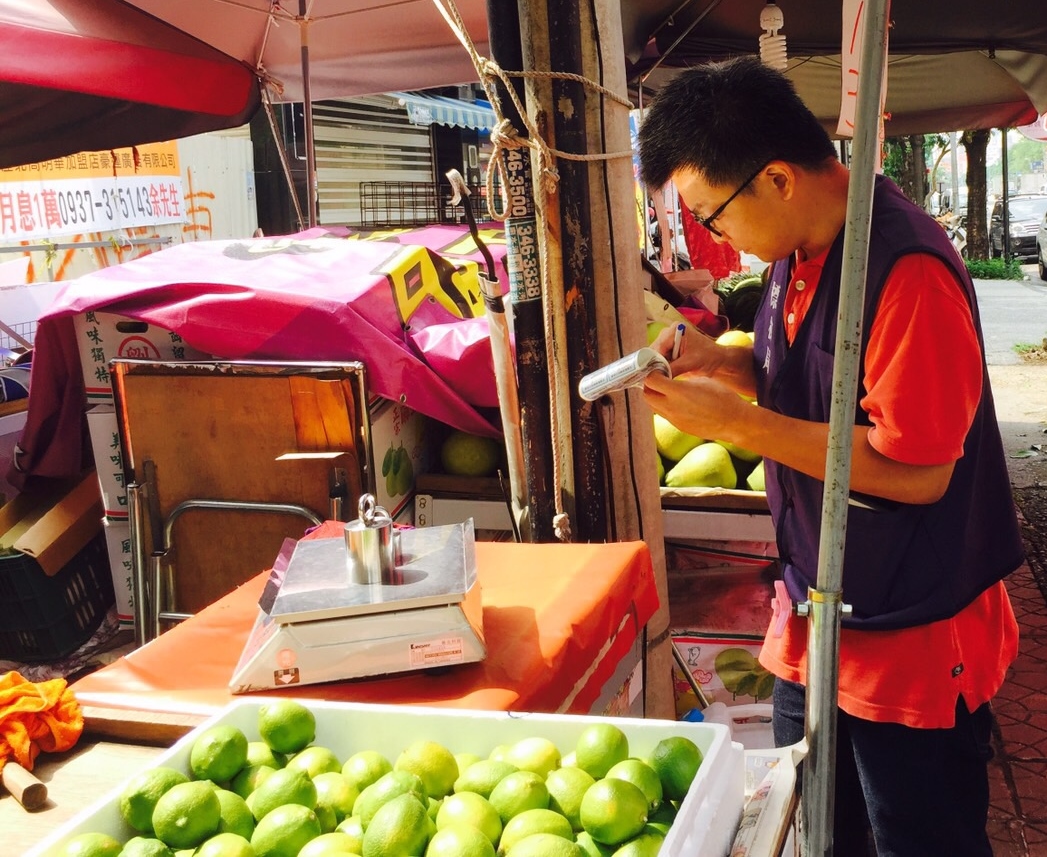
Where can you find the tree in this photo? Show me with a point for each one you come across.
(903, 162)
(976, 144)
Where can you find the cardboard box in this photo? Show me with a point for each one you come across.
(55, 583)
(396, 427)
(705, 824)
(105, 444)
(118, 548)
(725, 668)
(101, 336)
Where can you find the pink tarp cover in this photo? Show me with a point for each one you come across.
(314, 296)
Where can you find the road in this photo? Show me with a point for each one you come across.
(1014, 312)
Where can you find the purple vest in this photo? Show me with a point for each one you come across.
(904, 564)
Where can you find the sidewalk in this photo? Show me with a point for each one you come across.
(1018, 773)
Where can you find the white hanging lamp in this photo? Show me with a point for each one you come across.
(772, 43)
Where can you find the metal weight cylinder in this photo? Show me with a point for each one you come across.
(370, 545)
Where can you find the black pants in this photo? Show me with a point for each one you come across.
(917, 792)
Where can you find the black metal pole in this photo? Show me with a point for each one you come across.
(525, 286)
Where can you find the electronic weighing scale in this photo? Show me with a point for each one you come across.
(317, 624)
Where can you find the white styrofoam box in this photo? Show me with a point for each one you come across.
(705, 824)
(750, 724)
(102, 336)
(105, 444)
(395, 426)
(118, 545)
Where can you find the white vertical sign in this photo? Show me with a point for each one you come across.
(850, 67)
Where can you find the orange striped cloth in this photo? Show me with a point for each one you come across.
(36, 717)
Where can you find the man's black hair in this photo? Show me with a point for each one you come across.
(724, 120)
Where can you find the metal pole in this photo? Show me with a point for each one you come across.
(825, 602)
(1005, 238)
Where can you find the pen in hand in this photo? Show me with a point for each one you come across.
(677, 340)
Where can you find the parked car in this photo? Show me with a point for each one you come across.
(1041, 248)
(1026, 213)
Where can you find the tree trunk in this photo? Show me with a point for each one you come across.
(976, 144)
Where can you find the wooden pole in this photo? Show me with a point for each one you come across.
(569, 40)
(525, 288)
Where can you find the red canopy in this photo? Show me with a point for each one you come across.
(80, 76)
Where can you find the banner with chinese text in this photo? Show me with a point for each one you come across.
(92, 192)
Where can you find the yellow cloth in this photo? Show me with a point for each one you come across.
(33, 717)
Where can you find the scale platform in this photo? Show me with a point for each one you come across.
(315, 625)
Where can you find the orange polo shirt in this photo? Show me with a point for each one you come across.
(923, 379)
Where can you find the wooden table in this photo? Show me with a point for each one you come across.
(74, 780)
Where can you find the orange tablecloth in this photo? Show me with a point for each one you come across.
(558, 618)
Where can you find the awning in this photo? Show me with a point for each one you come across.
(438, 110)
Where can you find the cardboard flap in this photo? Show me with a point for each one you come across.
(63, 530)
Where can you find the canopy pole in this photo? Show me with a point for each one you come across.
(523, 263)
(307, 116)
(825, 605)
(536, 38)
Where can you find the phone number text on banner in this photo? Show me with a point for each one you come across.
(38, 209)
(92, 192)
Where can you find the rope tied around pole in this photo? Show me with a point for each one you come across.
(505, 135)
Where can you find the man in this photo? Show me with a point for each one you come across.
(931, 530)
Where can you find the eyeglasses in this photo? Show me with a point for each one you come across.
(707, 222)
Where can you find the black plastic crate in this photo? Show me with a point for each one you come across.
(45, 618)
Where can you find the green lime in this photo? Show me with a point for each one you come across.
(676, 760)
(591, 847)
(400, 828)
(91, 845)
(545, 845)
(235, 813)
(285, 831)
(225, 845)
(365, 767)
(433, 763)
(646, 844)
(599, 747)
(613, 811)
(260, 753)
(145, 846)
(330, 845)
(387, 787)
(187, 814)
(286, 725)
(334, 791)
(533, 821)
(465, 761)
(641, 775)
(471, 810)
(536, 753)
(138, 798)
(566, 787)
(218, 754)
(354, 829)
(459, 840)
(481, 777)
(315, 760)
(249, 778)
(282, 787)
(518, 792)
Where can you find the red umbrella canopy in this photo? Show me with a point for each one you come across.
(78, 76)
